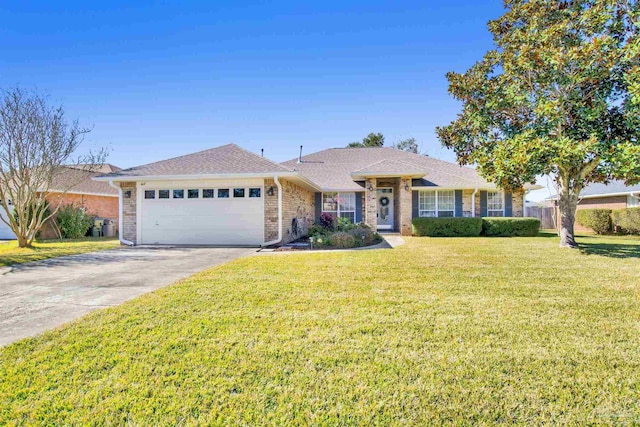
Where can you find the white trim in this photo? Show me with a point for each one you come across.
(120, 217)
(597, 196)
(83, 193)
(139, 197)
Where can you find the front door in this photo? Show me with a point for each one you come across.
(385, 209)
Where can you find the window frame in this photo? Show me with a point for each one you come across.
(502, 202)
(221, 190)
(244, 192)
(339, 200)
(168, 192)
(213, 193)
(146, 193)
(437, 211)
(173, 194)
(189, 190)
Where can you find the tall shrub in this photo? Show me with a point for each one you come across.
(627, 220)
(74, 222)
(599, 220)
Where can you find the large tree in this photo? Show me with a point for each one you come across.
(371, 140)
(559, 95)
(35, 142)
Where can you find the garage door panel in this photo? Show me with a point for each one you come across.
(203, 221)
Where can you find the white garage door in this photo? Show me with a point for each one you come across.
(223, 213)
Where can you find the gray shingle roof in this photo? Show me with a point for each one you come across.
(227, 159)
(614, 187)
(331, 169)
(77, 180)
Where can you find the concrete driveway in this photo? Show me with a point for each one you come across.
(42, 295)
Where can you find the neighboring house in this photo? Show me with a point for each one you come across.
(230, 196)
(98, 198)
(614, 195)
(5, 230)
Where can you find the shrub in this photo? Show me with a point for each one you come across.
(627, 220)
(344, 224)
(327, 221)
(447, 227)
(599, 220)
(343, 240)
(510, 227)
(363, 235)
(73, 221)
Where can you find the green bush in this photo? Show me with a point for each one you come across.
(510, 227)
(599, 220)
(343, 240)
(447, 227)
(627, 220)
(73, 221)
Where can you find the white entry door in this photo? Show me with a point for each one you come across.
(385, 209)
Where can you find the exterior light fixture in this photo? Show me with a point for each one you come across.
(406, 187)
(270, 191)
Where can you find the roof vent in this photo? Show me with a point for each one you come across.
(300, 158)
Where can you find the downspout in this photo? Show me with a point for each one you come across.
(473, 203)
(120, 215)
(279, 239)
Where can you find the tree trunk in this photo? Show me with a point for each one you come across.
(567, 203)
(23, 242)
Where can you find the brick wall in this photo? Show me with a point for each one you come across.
(270, 211)
(129, 225)
(297, 203)
(371, 203)
(467, 203)
(518, 204)
(100, 206)
(406, 205)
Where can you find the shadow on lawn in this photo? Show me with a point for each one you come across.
(611, 250)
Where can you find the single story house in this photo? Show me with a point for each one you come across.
(614, 195)
(230, 196)
(74, 185)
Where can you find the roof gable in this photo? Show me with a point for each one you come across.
(227, 159)
(333, 168)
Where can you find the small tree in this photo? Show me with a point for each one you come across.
(559, 95)
(371, 140)
(35, 142)
(410, 145)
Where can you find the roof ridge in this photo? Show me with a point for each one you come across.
(262, 157)
(389, 160)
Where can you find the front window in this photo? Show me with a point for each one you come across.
(495, 203)
(437, 203)
(633, 200)
(340, 205)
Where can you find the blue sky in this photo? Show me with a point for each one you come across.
(161, 79)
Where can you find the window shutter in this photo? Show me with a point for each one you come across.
(358, 216)
(318, 206)
(458, 212)
(415, 200)
(508, 204)
(483, 203)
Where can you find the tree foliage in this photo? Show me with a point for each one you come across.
(35, 142)
(371, 140)
(559, 95)
(410, 145)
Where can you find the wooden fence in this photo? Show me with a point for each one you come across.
(547, 216)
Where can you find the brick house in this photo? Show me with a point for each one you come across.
(614, 195)
(97, 198)
(230, 196)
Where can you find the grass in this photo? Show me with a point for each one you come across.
(10, 253)
(439, 331)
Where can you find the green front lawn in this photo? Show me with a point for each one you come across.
(10, 253)
(439, 331)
